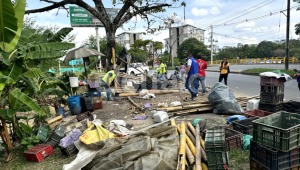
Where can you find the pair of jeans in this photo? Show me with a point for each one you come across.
(182, 75)
(107, 89)
(192, 84)
(202, 82)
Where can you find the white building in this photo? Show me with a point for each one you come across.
(127, 38)
(182, 33)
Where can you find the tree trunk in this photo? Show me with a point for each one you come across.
(111, 43)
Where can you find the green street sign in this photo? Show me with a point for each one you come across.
(80, 17)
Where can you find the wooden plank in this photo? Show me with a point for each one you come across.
(50, 121)
(135, 104)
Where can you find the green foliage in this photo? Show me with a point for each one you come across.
(30, 141)
(11, 22)
(193, 46)
(138, 55)
(265, 49)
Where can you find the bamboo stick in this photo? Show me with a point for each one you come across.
(198, 149)
(190, 135)
(191, 127)
(190, 155)
(176, 108)
(189, 143)
(182, 149)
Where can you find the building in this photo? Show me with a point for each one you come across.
(182, 33)
(127, 38)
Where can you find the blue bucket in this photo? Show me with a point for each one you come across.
(74, 104)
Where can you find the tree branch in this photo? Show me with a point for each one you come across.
(141, 10)
(50, 7)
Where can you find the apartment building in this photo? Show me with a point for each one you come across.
(127, 38)
(182, 33)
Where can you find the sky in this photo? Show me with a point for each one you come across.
(233, 21)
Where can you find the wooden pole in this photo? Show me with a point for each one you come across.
(198, 149)
(135, 104)
(191, 127)
(190, 135)
(7, 137)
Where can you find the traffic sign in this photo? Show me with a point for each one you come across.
(80, 17)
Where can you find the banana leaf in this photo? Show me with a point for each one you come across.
(18, 95)
(11, 23)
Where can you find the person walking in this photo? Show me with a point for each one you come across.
(106, 81)
(224, 71)
(297, 75)
(162, 71)
(182, 71)
(202, 65)
(192, 81)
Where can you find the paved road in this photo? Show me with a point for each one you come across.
(250, 85)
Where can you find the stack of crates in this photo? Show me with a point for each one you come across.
(276, 141)
(271, 93)
(215, 148)
(56, 136)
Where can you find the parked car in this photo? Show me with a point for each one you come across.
(136, 69)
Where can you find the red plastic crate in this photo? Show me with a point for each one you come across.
(256, 113)
(39, 152)
(233, 139)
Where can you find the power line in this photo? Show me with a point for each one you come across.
(256, 18)
(255, 7)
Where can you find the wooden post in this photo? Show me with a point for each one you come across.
(182, 148)
(114, 63)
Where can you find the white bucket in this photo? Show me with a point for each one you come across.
(73, 81)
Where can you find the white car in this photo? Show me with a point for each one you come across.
(136, 69)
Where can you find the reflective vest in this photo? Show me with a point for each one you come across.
(162, 67)
(110, 78)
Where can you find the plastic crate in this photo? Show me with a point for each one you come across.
(255, 165)
(85, 115)
(216, 159)
(270, 107)
(271, 99)
(70, 150)
(272, 81)
(215, 139)
(39, 152)
(42, 133)
(244, 126)
(60, 130)
(280, 130)
(274, 159)
(54, 140)
(233, 139)
(256, 113)
(272, 90)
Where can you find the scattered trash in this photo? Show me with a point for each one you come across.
(160, 116)
(147, 105)
(175, 103)
(252, 104)
(230, 119)
(161, 105)
(149, 96)
(139, 117)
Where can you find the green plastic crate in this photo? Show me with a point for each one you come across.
(42, 133)
(215, 139)
(217, 160)
(280, 131)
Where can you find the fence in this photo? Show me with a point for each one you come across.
(273, 60)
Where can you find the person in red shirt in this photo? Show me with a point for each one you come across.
(202, 65)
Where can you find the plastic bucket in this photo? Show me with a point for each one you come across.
(74, 104)
(73, 81)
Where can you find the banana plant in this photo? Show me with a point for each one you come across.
(11, 23)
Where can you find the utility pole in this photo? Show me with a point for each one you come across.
(287, 36)
(211, 45)
(98, 48)
(170, 43)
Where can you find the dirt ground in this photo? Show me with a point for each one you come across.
(122, 109)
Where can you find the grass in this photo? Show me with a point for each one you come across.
(19, 162)
(239, 159)
(260, 70)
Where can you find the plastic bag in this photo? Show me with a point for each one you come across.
(91, 136)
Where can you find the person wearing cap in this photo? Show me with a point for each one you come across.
(106, 81)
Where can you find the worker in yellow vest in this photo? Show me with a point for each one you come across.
(106, 81)
(162, 71)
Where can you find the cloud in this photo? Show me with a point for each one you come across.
(199, 12)
(207, 3)
(246, 24)
(214, 10)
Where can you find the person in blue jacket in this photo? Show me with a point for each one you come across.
(297, 75)
(192, 81)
